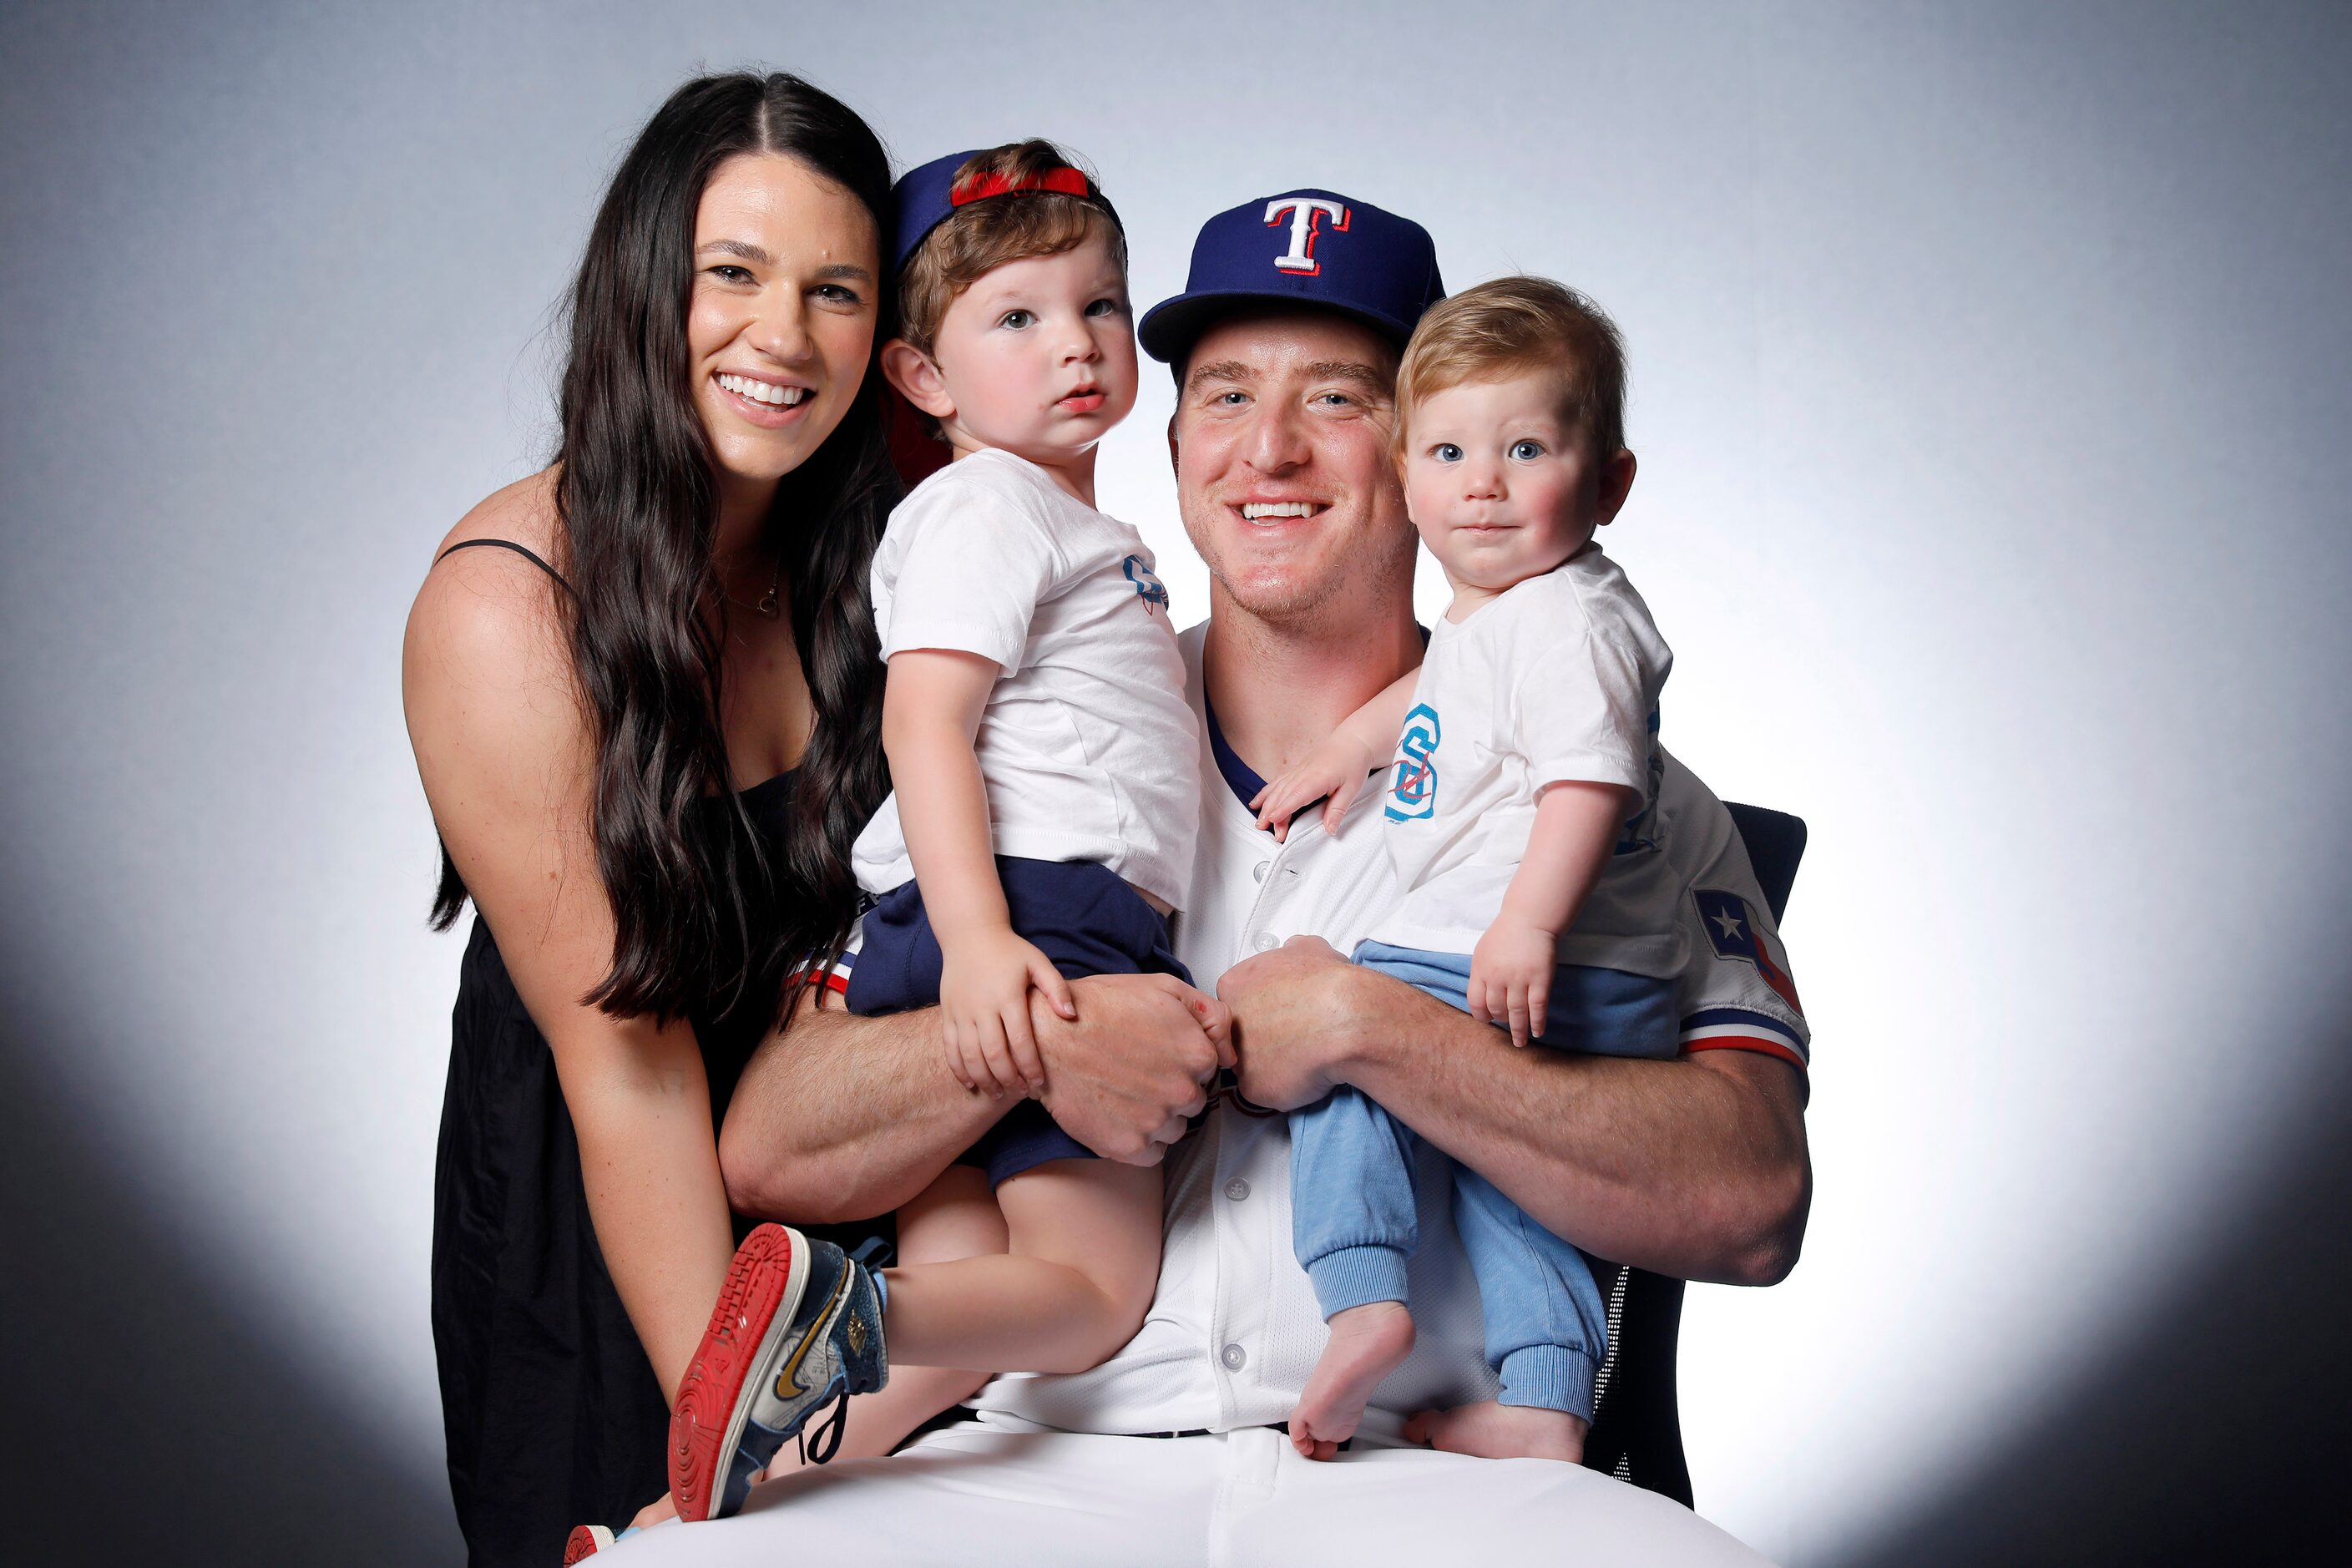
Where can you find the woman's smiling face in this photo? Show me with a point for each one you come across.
(780, 323)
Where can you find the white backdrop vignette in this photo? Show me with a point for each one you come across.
(1989, 388)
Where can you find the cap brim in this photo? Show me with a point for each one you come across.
(1168, 328)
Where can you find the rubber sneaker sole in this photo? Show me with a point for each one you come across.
(764, 1288)
(587, 1540)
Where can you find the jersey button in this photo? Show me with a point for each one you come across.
(1257, 872)
(1234, 1356)
(1268, 942)
(1237, 1189)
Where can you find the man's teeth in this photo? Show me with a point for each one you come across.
(764, 390)
(1254, 509)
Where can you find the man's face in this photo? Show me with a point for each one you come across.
(1281, 446)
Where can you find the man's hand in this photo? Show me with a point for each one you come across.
(1125, 1078)
(1292, 1011)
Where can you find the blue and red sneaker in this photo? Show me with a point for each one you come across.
(798, 1325)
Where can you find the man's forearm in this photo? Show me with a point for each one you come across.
(843, 1118)
(1695, 1167)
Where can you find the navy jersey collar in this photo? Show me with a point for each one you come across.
(1239, 776)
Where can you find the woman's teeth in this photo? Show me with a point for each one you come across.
(1256, 510)
(764, 390)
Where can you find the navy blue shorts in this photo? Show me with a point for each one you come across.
(1081, 915)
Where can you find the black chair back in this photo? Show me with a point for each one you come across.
(1637, 1426)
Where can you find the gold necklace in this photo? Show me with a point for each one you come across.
(770, 602)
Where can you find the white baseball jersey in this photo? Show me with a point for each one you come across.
(1086, 745)
(1234, 1329)
(1555, 680)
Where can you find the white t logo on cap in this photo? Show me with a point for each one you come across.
(1303, 211)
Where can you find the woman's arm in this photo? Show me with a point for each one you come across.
(505, 753)
(931, 713)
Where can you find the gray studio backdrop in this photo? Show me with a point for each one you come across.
(1990, 390)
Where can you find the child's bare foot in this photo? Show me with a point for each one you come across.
(1366, 1343)
(1493, 1431)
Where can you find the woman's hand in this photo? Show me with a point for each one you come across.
(1332, 773)
(985, 978)
(1510, 977)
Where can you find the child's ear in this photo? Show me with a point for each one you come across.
(917, 377)
(1616, 484)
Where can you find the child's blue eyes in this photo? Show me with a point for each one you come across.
(1016, 319)
(1525, 451)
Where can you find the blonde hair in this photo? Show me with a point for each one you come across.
(1513, 325)
(983, 236)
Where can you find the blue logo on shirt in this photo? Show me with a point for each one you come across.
(1413, 791)
(1147, 588)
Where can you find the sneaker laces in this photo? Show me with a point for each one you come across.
(827, 1434)
(870, 1255)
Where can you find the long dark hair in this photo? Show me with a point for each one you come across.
(706, 920)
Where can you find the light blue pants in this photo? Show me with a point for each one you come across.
(1354, 1219)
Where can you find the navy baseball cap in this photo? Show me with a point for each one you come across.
(1305, 247)
(924, 198)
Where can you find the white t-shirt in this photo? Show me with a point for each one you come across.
(1234, 1329)
(1086, 745)
(1556, 678)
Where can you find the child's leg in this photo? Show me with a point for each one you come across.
(1073, 1289)
(954, 1217)
(1545, 1330)
(800, 1326)
(1611, 1012)
(1353, 1224)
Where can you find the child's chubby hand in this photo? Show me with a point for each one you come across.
(985, 979)
(1510, 977)
(1332, 773)
(1216, 1020)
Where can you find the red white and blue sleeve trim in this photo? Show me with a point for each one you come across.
(834, 979)
(1740, 1030)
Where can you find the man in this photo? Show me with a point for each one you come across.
(1285, 344)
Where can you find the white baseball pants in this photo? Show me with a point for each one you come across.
(974, 1495)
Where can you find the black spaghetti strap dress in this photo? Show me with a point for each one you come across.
(553, 1413)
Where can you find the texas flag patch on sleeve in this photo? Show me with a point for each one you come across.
(1734, 933)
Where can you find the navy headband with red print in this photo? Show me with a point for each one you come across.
(926, 196)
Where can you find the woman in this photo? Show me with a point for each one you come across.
(644, 691)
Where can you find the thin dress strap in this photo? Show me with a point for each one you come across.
(519, 550)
